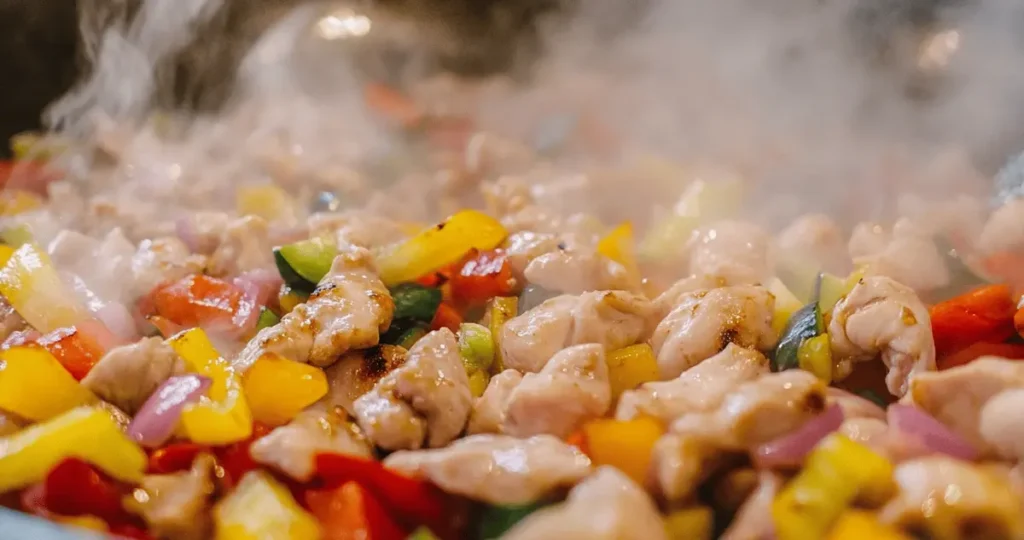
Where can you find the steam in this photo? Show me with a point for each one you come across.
(791, 93)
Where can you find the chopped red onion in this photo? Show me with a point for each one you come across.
(914, 423)
(154, 424)
(791, 449)
(268, 282)
(249, 306)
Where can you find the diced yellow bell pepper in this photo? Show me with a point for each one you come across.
(277, 389)
(439, 246)
(630, 367)
(833, 288)
(223, 417)
(5, 254)
(33, 385)
(87, 522)
(288, 298)
(478, 381)
(268, 201)
(32, 286)
(17, 236)
(861, 525)
(815, 356)
(261, 508)
(786, 304)
(618, 246)
(837, 472)
(695, 523)
(626, 445)
(32, 145)
(17, 201)
(86, 433)
(503, 308)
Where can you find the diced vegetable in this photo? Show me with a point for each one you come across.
(690, 524)
(267, 319)
(33, 385)
(497, 520)
(32, 286)
(836, 473)
(910, 423)
(618, 245)
(87, 433)
(199, 300)
(277, 389)
(834, 288)
(630, 367)
(815, 355)
(75, 350)
(478, 381)
(349, 512)
(805, 324)
(422, 533)
(75, 488)
(288, 298)
(665, 237)
(786, 304)
(476, 346)
(17, 236)
(175, 457)
(861, 525)
(981, 315)
(416, 302)
(439, 246)
(1014, 351)
(17, 201)
(155, 422)
(502, 309)
(261, 508)
(224, 417)
(268, 201)
(801, 277)
(790, 449)
(411, 336)
(303, 264)
(31, 175)
(446, 317)
(235, 459)
(626, 445)
(482, 276)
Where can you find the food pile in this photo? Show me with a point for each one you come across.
(303, 367)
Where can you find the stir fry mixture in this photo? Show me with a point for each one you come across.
(302, 367)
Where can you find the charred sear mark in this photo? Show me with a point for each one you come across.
(814, 402)
(375, 364)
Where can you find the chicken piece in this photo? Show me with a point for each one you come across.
(10, 321)
(626, 513)
(425, 401)
(571, 389)
(882, 317)
(960, 217)
(523, 247)
(910, 257)
(754, 519)
(355, 227)
(737, 251)
(176, 505)
(674, 294)
(163, 260)
(579, 271)
(126, 376)
(758, 411)
(357, 372)
(704, 322)
(506, 196)
(956, 396)
(818, 238)
(867, 239)
(613, 319)
(699, 389)
(680, 463)
(101, 264)
(497, 469)
(1000, 424)
(854, 406)
(1004, 230)
(942, 497)
(293, 447)
(349, 310)
(244, 245)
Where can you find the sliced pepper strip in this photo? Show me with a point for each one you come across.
(619, 246)
(87, 433)
(482, 275)
(503, 308)
(984, 314)
(277, 389)
(630, 367)
(351, 512)
(33, 385)
(224, 416)
(259, 508)
(31, 284)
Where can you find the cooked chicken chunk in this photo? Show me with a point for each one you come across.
(355, 227)
(699, 389)
(946, 498)
(348, 310)
(817, 237)
(881, 317)
(127, 375)
(523, 247)
(578, 271)
(737, 251)
(956, 396)
(426, 401)
(1004, 230)
(754, 519)
(293, 447)
(867, 240)
(679, 463)
(163, 260)
(357, 372)
(1000, 424)
(572, 388)
(704, 322)
(909, 256)
(614, 319)
(176, 505)
(874, 434)
(626, 513)
(855, 406)
(244, 245)
(674, 294)
(497, 469)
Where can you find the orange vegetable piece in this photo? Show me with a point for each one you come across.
(77, 352)
(626, 445)
(446, 317)
(195, 300)
(350, 512)
(392, 104)
(984, 314)
(974, 351)
(482, 276)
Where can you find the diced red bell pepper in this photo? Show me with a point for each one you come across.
(393, 105)
(75, 350)
(1013, 351)
(351, 512)
(985, 314)
(435, 279)
(174, 458)
(413, 502)
(446, 317)
(31, 176)
(235, 458)
(75, 488)
(1018, 321)
(482, 276)
(198, 300)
